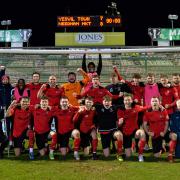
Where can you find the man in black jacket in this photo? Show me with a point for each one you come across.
(3, 141)
(5, 99)
(106, 122)
(3, 138)
(116, 88)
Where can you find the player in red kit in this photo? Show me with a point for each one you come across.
(156, 125)
(21, 125)
(84, 119)
(137, 87)
(176, 82)
(34, 87)
(128, 122)
(65, 127)
(42, 118)
(97, 92)
(52, 91)
(168, 94)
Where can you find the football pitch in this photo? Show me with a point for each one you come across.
(102, 169)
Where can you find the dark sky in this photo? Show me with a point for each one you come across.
(41, 16)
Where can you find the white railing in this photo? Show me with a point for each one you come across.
(89, 51)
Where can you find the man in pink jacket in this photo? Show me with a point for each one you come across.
(151, 89)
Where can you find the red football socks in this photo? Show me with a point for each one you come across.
(53, 141)
(141, 146)
(172, 145)
(77, 144)
(119, 146)
(31, 138)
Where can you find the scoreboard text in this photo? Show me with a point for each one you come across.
(88, 21)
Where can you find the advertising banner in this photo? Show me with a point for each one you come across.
(90, 39)
(15, 36)
(158, 34)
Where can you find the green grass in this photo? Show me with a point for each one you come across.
(22, 168)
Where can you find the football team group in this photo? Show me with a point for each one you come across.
(125, 115)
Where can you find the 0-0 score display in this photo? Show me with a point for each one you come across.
(88, 21)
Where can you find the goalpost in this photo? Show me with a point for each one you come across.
(21, 63)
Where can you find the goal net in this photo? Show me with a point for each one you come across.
(21, 63)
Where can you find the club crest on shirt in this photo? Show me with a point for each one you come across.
(167, 92)
(161, 116)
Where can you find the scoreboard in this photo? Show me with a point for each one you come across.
(88, 21)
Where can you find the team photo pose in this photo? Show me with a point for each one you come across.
(20, 90)
(128, 123)
(117, 87)
(84, 121)
(42, 119)
(97, 92)
(174, 124)
(107, 127)
(21, 130)
(156, 124)
(65, 127)
(52, 91)
(34, 87)
(168, 93)
(73, 88)
(90, 69)
(176, 82)
(136, 86)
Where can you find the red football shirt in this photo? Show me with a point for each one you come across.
(21, 121)
(177, 87)
(64, 120)
(42, 120)
(130, 116)
(86, 119)
(34, 88)
(156, 121)
(98, 93)
(54, 95)
(137, 91)
(169, 96)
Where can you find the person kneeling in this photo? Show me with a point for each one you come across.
(107, 126)
(43, 116)
(158, 121)
(128, 122)
(21, 125)
(84, 119)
